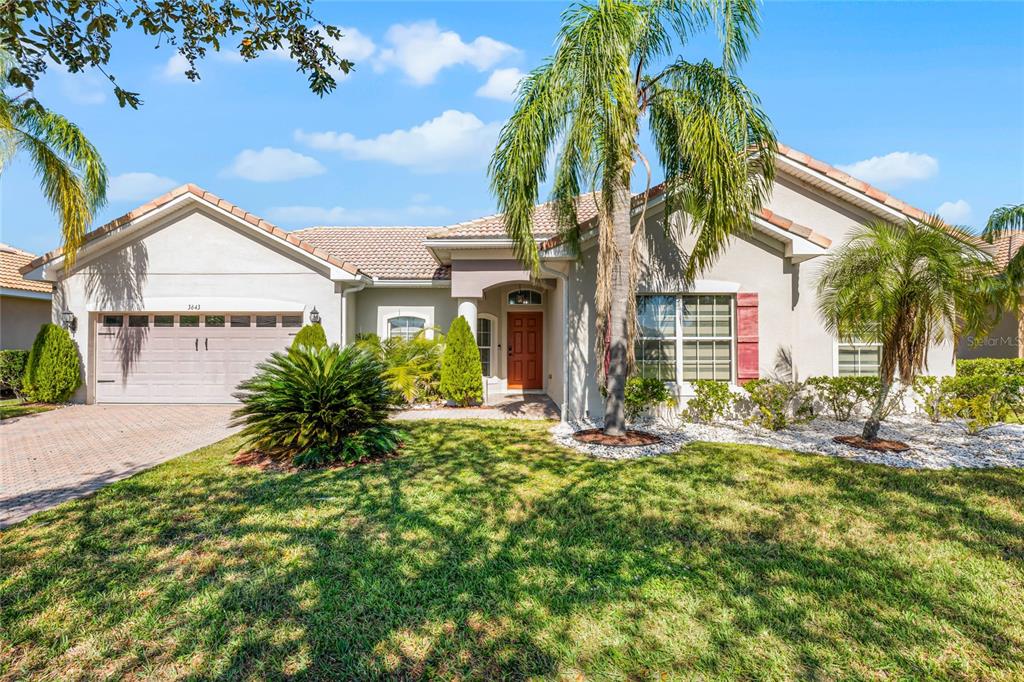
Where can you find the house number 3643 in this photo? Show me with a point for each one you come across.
(193, 306)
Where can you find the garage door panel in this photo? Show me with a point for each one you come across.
(202, 361)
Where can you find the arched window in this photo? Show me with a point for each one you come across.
(524, 297)
(405, 327)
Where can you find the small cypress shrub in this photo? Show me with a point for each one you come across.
(461, 372)
(52, 373)
(311, 335)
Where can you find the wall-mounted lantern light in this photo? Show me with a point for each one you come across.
(67, 319)
(314, 316)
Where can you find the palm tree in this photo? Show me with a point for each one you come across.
(906, 286)
(71, 173)
(587, 102)
(1005, 221)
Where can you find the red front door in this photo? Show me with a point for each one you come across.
(525, 360)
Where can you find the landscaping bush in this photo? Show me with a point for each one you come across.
(52, 372)
(841, 395)
(893, 402)
(991, 367)
(711, 401)
(461, 371)
(775, 405)
(12, 372)
(318, 406)
(929, 395)
(980, 400)
(643, 393)
(311, 335)
(412, 367)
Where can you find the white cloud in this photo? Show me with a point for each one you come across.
(304, 216)
(501, 84)
(138, 186)
(175, 68)
(84, 87)
(957, 212)
(451, 140)
(894, 168)
(353, 44)
(273, 164)
(421, 50)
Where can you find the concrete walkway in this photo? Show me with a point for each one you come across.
(519, 407)
(48, 458)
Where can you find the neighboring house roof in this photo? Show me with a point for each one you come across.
(380, 252)
(213, 200)
(1006, 247)
(11, 262)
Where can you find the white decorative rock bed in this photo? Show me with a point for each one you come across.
(933, 446)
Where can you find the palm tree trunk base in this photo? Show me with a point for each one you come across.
(626, 439)
(875, 444)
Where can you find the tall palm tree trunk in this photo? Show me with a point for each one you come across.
(874, 421)
(619, 336)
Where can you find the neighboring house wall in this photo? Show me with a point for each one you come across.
(20, 320)
(1001, 342)
(193, 261)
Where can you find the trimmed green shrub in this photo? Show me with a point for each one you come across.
(893, 402)
(318, 406)
(775, 405)
(12, 371)
(841, 395)
(982, 400)
(991, 367)
(461, 372)
(52, 372)
(710, 402)
(311, 335)
(643, 393)
(929, 395)
(412, 367)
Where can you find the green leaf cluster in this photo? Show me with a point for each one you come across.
(311, 336)
(53, 370)
(643, 393)
(12, 371)
(412, 366)
(711, 401)
(842, 395)
(775, 405)
(461, 371)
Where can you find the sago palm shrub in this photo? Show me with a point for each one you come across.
(318, 406)
(907, 287)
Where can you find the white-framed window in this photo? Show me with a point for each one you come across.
(858, 359)
(405, 326)
(684, 337)
(707, 331)
(656, 338)
(524, 297)
(485, 330)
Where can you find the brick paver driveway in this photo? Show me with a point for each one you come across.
(55, 456)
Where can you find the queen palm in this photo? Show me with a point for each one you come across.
(907, 287)
(610, 71)
(71, 173)
(1007, 220)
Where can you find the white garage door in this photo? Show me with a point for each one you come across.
(181, 357)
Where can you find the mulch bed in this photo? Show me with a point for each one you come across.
(629, 439)
(877, 445)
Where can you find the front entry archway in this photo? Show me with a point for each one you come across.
(525, 350)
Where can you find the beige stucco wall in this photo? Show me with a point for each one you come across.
(20, 320)
(789, 324)
(1001, 342)
(199, 260)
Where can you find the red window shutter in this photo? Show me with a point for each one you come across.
(747, 357)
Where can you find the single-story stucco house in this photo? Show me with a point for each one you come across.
(177, 300)
(24, 303)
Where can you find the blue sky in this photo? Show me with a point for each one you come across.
(923, 99)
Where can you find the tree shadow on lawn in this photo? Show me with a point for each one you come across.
(483, 551)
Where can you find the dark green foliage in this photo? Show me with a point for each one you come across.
(12, 371)
(775, 405)
(79, 36)
(981, 401)
(842, 395)
(52, 373)
(319, 406)
(711, 401)
(311, 335)
(413, 367)
(643, 393)
(461, 372)
(991, 366)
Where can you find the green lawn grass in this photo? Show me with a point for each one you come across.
(485, 552)
(13, 407)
